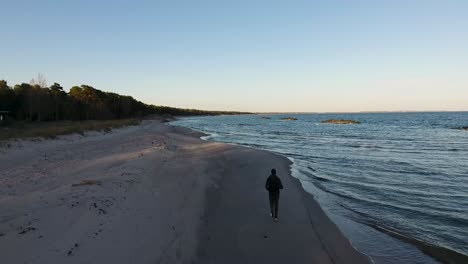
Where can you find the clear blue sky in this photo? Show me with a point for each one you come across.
(247, 55)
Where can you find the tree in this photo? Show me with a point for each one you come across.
(45, 103)
(93, 101)
(40, 81)
(59, 97)
(36, 101)
(7, 97)
(25, 105)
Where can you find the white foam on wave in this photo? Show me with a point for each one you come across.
(209, 136)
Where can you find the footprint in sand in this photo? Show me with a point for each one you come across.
(70, 252)
(26, 230)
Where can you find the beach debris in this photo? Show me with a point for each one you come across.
(289, 118)
(265, 236)
(26, 230)
(341, 121)
(87, 182)
(2, 234)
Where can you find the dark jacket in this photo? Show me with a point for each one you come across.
(273, 183)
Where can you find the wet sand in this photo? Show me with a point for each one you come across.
(155, 194)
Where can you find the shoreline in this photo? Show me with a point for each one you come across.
(307, 196)
(436, 253)
(147, 191)
(335, 247)
(444, 255)
(439, 254)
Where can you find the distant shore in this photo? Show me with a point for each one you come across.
(156, 193)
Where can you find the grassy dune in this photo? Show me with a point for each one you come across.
(23, 129)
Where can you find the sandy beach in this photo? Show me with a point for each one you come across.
(154, 193)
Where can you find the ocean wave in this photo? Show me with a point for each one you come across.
(444, 254)
(360, 183)
(386, 205)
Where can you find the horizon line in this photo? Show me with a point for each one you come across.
(362, 112)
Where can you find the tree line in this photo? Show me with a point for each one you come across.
(35, 101)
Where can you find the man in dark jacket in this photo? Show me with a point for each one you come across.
(273, 185)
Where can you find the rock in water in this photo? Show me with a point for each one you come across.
(341, 121)
(289, 118)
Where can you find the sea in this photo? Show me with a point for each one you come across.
(396, 184)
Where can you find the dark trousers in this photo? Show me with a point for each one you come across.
(274, 200)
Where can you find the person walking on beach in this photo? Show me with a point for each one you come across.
(273, 186)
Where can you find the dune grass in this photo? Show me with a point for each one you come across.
(23, 129)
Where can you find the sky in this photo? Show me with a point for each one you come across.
(259, 56)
